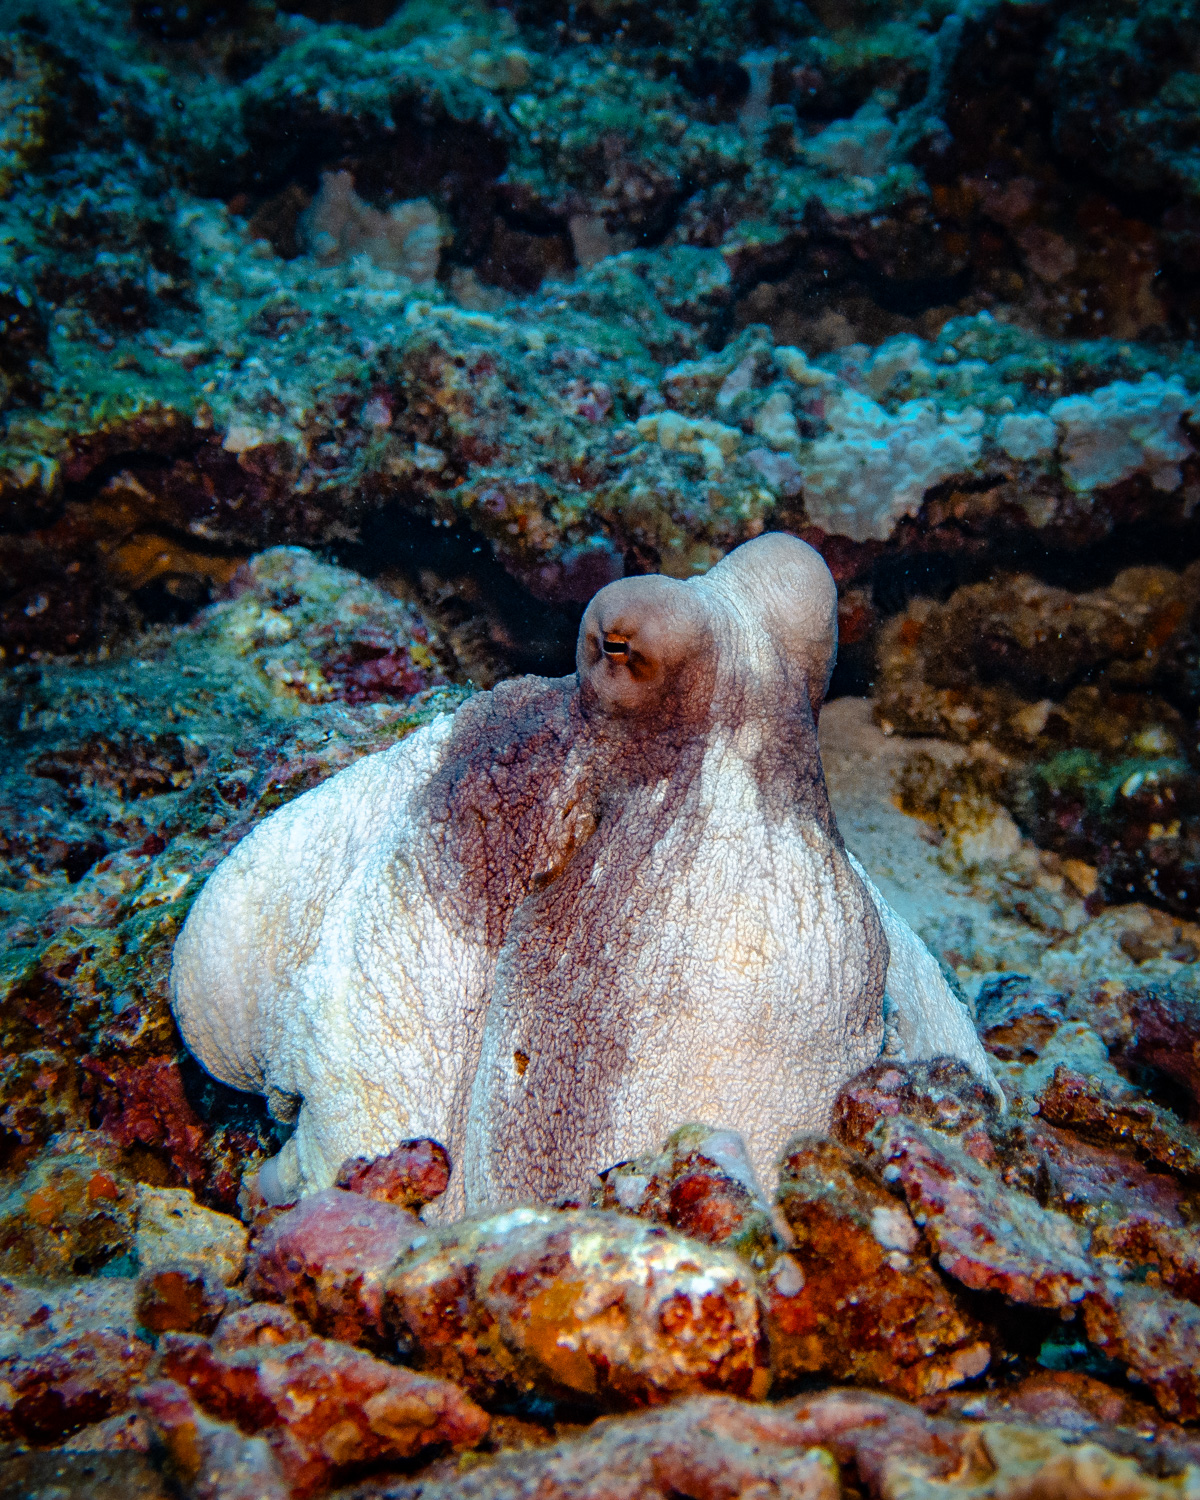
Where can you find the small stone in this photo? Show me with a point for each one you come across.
(180, 1299)
(702, 1184)
(261, 1325)
(323, 1407)
(173, 1229)
(327, 1259)
(589, 1308)
(411, 1175)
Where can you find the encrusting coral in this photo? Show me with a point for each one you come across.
(582, 910)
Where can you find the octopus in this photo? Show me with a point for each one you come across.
(552, 926)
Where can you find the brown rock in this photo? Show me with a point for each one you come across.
(715, 1448)
(1116, 1114)
(69, 1357)
(702, 1184)
(706, 1448)
(324, 1408)
(52, 1392)
(858, 1297)
(986, 1235)
(410, 1176)
(180, 1299)
(327, 1259)
(72, 1212)
(1172, 1253)
(942, 1093)
(1156, 1335)
(213, 1460)
(261, 1325)
(590, 1308)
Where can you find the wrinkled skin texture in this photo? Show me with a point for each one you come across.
(581, 911)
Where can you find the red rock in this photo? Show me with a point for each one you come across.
(213, 1459)
(327, 1259)
(180, 1299)
(324, 1408)
(590, 1308)
(986, 1235)
(52, 1392)
(858, 1298)
(410, 1176)
(1087, 1181)
(146, 1105)
(1149, 1026)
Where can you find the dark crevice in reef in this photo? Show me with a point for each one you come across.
(218, 1104)
(897, 578)
(454, 572)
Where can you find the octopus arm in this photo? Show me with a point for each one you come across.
(929, 1018)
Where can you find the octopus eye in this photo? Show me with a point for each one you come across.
(615, 647)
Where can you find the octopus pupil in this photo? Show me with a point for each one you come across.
(615, 646)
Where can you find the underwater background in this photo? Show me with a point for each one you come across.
(345, 353)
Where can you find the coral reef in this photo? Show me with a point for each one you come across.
(346, 351)
(446, 267)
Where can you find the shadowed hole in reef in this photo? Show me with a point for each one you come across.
(218, 1104)
(456, 571)
(1165, 1090)
(897, 578)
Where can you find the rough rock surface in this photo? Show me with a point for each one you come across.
(858, 1296)
(328, 1259)
(595, 1309)
(701, 1184)
(323, 1408)
(885, 1448)
(411, 1176)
